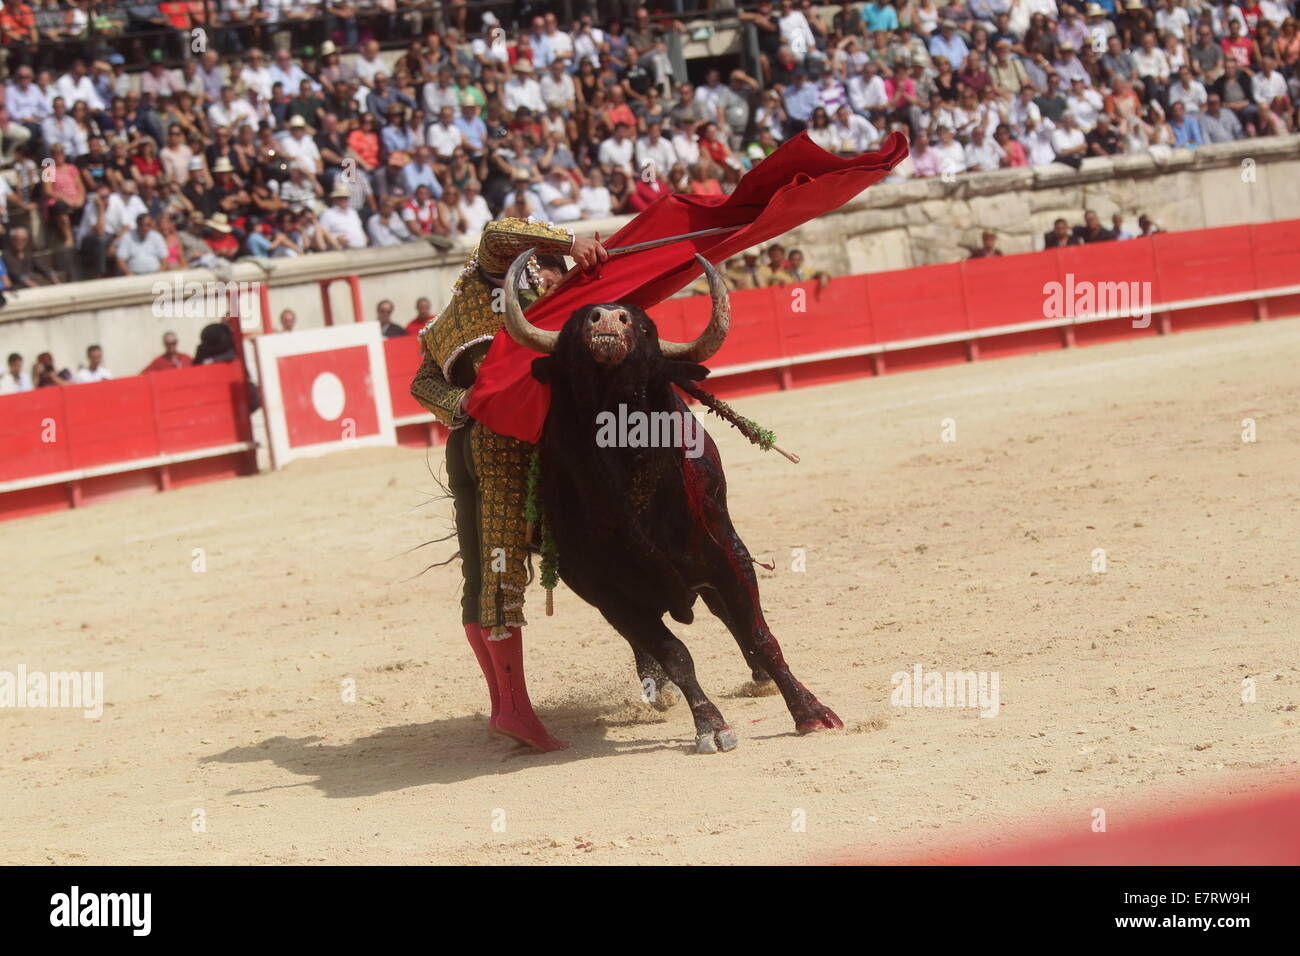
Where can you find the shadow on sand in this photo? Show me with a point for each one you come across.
(437, 752)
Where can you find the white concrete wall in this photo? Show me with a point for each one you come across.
(894, 225)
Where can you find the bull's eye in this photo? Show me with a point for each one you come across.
(622, 317)
(592, 319)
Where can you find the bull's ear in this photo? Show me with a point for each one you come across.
(544, 368)
(690, 371)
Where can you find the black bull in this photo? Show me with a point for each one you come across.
(642, 531)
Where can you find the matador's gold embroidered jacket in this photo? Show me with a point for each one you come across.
(456, 341)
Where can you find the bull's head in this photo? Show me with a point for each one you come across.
(612, 332)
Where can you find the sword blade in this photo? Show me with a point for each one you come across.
(669, 240)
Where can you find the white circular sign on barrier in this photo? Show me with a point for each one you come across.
(328, 396)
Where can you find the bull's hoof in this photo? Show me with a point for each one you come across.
(758, 688)
(710, 742)
(817, 717)
(664, 697)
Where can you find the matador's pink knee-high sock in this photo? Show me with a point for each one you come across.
(515, 717)
(476, 640)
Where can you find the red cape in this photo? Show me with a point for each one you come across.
(797, 183)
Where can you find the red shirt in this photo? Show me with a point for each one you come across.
(165, 363)
(416, 325)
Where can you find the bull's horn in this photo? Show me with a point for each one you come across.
(711, 339)
(520, 329)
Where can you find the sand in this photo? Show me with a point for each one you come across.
(228, 735)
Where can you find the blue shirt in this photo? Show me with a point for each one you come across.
(474, 131)
(955, 50)
(395, 138)
(1187, 133)
(800, 101)
(877, 17)
(414, 176)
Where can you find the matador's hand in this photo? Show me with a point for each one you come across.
(588, 254)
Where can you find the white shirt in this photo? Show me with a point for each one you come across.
(476, 214)
(1038, 144)
(587, 44)
(85, 376)
(856, 135)
(239, 113)
(9, 384)
(1192, 97)
(443, 140)
(687, 149)
(558, 92)
(436, 97)
(985, 157)
(796, 33)
(525, 92)
(614, 153)
(1086, 108)
(73, 90)
(259, 81)
(594, 202)
(122, 213)
(1064, 139)
(556, 211)
(366, 70)
(345, 225)
(952, 158)
(302, 151)
(658, 156)
(1269, 86)
(866, 93)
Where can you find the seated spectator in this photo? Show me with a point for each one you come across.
(342, 222)
(387, 327)
(24, 269)
(142, 250)
(594, 201)
(94, 369)
(171, 358)
(1068, 142)
(1061, 235)
(387, 227)
(15, 379)
(1104, 140)
(46, 372)
(288, 320)
(1219, 125)
(422, 215)
(423, 316)
(1186, 129)
(775, 271)
(988, 246)
(1092, 230)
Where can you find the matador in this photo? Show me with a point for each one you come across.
(487, 473)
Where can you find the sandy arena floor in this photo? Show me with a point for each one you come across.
(1117, 689)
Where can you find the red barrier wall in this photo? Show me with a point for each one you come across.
(55, 430)
(787, 330)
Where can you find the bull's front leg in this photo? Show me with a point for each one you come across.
(737, 590)
(651, 638)
(656, 689)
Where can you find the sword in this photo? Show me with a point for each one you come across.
(652, 244)
(669, 240)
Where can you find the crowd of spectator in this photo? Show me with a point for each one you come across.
(293, 131)
(217, 343)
